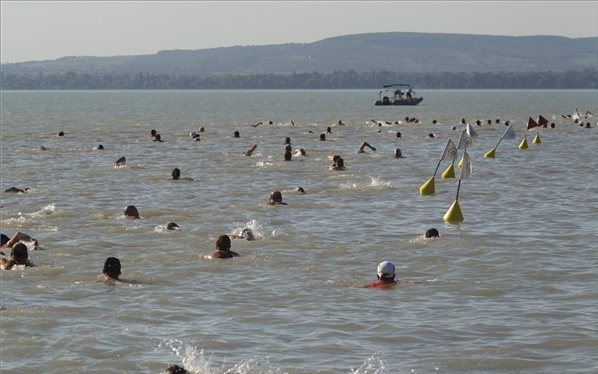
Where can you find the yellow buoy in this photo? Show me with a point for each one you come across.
(523, 144)
(427, 188)
(453, 214)
(491, 153)
(537, 139)
(449, 172)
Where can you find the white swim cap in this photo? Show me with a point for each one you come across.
(386, 269)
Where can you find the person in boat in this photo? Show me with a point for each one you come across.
(131, 212)
(19, 255)
(365, 144)
(409, 93)
(223, 245)
(432, 233)
(385, 274)
(276, 198)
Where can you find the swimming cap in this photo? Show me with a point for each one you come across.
(386, 269)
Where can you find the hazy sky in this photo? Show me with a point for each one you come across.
(50, 29)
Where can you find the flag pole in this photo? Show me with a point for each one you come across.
(428, 187)
(491, 153)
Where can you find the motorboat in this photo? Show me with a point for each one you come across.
(398, 94)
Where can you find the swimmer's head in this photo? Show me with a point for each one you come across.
(176, 173)
(131, 212)
(385, 271)
(276, 197)
(223, 243)
(432, 233)
(112, 267)
(172, 226)
(247, 234)
(19, 253)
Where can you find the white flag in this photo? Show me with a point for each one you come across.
(509, 133)
(464, 141)
(466, 167)
(470, 131)
(450, 151)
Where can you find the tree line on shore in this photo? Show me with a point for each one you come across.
(349, 79)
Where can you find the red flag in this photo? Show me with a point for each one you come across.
(542, 121)
(531, 123)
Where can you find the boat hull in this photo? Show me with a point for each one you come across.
(411, 101)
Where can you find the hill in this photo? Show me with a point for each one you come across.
(394, 51)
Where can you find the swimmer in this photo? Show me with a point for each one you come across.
(111, 272)
(256, 125)
(432, 233)
(300, 152)
(18, 256)
(323, 137)
(288, 151)
(176, 173)
(172, 226)
(398, 153)
(19, 237)
(131, 212)
(158, 138)
(236, 134)
(121, 162)
(16, 190)
(176, 369)
(300, 190)
(365, 144)
(249, 152)
(223, 245)
(338, 163)
(246, 234)
(276, 198)
(385, 273)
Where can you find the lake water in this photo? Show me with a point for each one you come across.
(511, 289)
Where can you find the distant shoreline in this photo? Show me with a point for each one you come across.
(573, 79)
